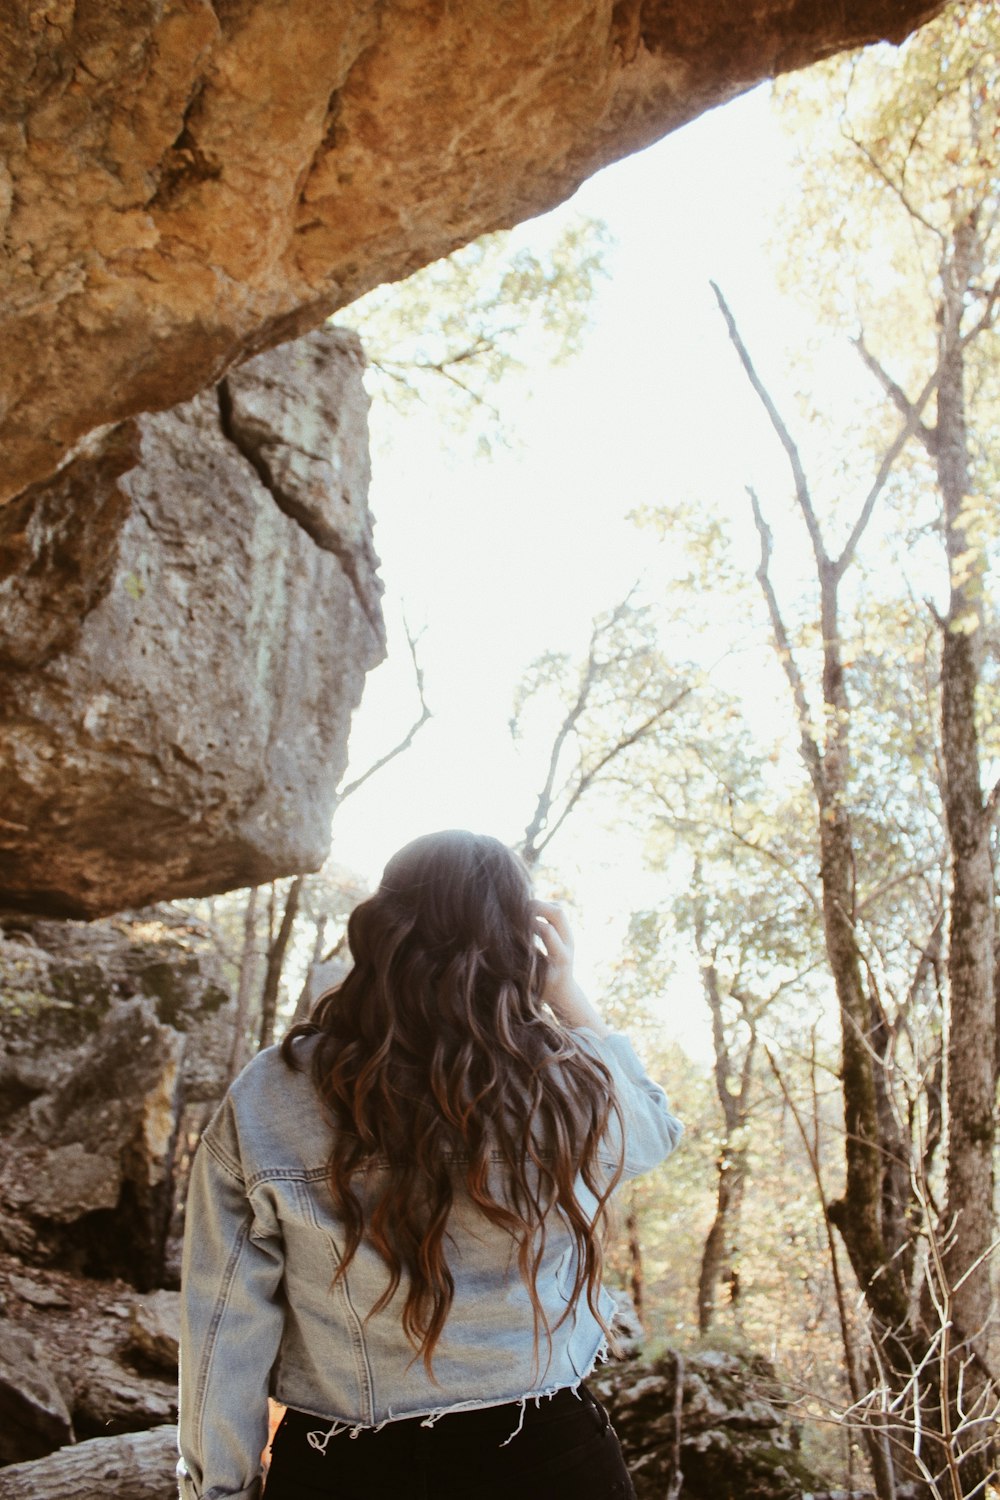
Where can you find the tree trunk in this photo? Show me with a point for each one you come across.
(637, 1278)
(304, 1004)
(859, 1214)
(968, 1228)
(248, 967)
(877, 1229)
(134, 1466)
(718, 1258)
(275, 962)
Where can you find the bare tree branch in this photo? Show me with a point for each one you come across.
(847, 1339)
(930, 957)
(808, 746)
(986, 319)
(895, 392)
(530, 847)
(877, 891)
(588, 777)
(827, 566)
(798, 472)
(399, 371)
(730, 829)
(895, 448)
(891, 184)
(412, 732)
(992, 806)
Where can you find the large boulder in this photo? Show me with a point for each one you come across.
(714, 1417)
(188, 603)
(184, 183)
(115, 1041)
(187, 613)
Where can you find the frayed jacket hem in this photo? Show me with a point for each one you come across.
(318, 1438)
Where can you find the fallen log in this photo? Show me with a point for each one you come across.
(132, 1466)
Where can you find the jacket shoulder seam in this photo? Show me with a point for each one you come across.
(223, 1158)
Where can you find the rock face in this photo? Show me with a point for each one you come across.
(186, 617)
(185, 182)
(188, 601)
(33, 1414)
(115, 1040)
(82, 1368)
(735, 1441)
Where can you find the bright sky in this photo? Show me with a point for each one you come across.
(499, 560)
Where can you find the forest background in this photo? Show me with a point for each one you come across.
(692, 599)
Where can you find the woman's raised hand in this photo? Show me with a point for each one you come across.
(562, 993)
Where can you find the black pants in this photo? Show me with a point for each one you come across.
(566, 1446)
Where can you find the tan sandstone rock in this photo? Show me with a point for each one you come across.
(184, 183)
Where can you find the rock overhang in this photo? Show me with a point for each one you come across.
(187, 183)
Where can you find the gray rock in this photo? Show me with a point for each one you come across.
(736, 1443)
(109, 1122)
(154, 1330)
(311, 453)
(38, 1293)
(180, 724)
(115, 1036)
(33, 1415)
(112, 1400)
(68, 1182)
(130, 1467)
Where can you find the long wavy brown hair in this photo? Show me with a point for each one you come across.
(437, 1063)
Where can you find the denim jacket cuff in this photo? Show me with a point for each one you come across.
(187, 1491)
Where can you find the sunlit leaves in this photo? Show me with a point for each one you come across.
(451, 333)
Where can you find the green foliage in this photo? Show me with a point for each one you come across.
(897, 151)
(450, 334)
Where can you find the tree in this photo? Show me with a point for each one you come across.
(929, 155)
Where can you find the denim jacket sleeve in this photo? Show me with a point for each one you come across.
(651, 1132)
(231, 1324)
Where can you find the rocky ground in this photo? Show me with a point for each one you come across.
(115, 1039)
(84, 1359)
(81, 1358)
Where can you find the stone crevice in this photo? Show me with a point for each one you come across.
(185, 164)
(323, 536)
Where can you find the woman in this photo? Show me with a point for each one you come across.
(394, 1222)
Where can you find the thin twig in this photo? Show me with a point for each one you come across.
(676, 1482)
(412, 732)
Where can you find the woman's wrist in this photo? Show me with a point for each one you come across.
(577, 1011)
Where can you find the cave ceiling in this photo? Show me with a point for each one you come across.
(185, 183)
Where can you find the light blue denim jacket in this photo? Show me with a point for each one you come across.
(259, 1316)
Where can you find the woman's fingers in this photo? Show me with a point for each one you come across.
(556, 924)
